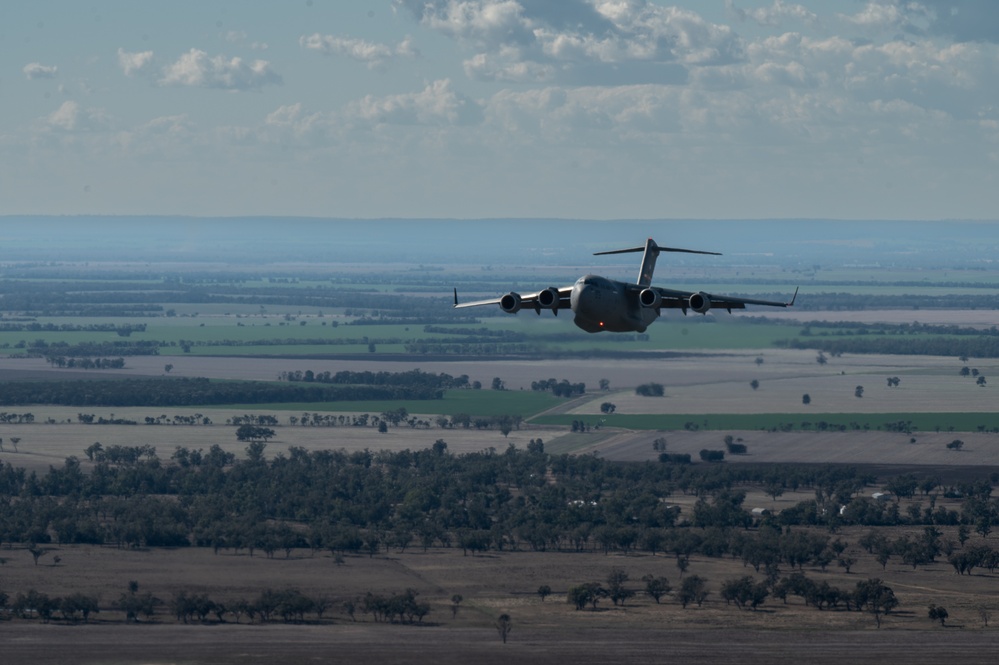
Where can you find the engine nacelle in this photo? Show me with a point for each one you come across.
(549, 298)
(510, 303)
(650, 298)
(700, 302)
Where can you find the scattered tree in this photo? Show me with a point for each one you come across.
(874, 596)
(616, 590)
(249, 432)
(504, 625)
(692, 590)
(937, 613)
(650, 390)
(589, 593)
(656, 587)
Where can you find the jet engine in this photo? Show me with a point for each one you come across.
(650, 298)
(700, 302)
(510, 303)
(549, 298)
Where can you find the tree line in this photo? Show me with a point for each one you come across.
(520, 499)
(164, 392)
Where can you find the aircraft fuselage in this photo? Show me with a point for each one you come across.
(601, 304)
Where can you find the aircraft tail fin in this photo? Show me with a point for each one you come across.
(652, 251)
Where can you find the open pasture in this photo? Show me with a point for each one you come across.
(547, 630)
(43, 444)
(927, 384)
(852, 448)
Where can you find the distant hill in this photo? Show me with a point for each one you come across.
(488, 241)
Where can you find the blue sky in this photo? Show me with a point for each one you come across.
(595, 109)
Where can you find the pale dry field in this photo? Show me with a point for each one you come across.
(44, 444)
(979, 318)
(640, 632)
(544, 631)
(875, 448)
(722, 385)
(699, 385)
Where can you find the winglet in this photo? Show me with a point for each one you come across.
(456, 296)
(790, 304)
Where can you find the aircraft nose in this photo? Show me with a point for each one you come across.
(581, 295)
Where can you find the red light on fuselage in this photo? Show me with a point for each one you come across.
(601, 324)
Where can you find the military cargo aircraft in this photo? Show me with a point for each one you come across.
(600, 304)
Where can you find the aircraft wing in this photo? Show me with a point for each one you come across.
(701, 301)
(477, 303)
(551, 298)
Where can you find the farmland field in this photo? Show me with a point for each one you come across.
(722, 376)
(640, 631)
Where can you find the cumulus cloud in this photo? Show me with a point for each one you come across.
(36, 70)
(371, 53)
(774, 15)
(71, 117)
(197, 69)
(578, 41)
(240, 37)
(958, 20)
(134, 63)
(436, 104)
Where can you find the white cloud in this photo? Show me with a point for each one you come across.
(774, 15)
(486, 21)
(71, 117)
(290, 123)
(134, 63)
(579, 41)
(240, 37)
(197, 69)
(36, 70)
(436, 104)
(883, 16)
(371, 53)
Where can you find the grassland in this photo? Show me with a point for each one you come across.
(640, 631)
